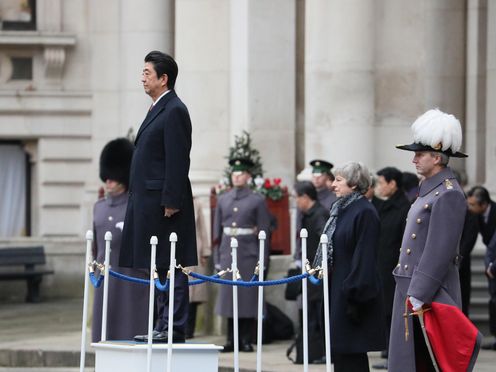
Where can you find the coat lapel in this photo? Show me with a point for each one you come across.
(152, 114)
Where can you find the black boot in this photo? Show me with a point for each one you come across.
(229, 346)
(245, 333)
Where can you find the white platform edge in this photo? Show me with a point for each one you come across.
(160, 346)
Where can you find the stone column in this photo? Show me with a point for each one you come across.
(339, 81)
(475, 122)
(491, 98)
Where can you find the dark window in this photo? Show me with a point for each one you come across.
(22, 68)
(18, 14)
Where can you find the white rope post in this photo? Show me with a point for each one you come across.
(325, 280)
(172, 271)
(261, 266)
(106, 279)
(151, 302)
(89, 244)
(234, 267)
(304, 236)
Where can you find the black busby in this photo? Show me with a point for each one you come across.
(115, 161)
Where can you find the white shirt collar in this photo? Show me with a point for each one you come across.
(158, 99)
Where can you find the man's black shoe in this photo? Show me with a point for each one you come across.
(321, 360)
(163, 337)
(228, 347)
(380, 365)
(490, 346)
(144, 338)
(246, 347)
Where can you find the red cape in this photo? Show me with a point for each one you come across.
(455, 341)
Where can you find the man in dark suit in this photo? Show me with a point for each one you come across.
(160, 197)
(480, 203)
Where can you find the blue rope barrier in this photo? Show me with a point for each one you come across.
(254, 278)
(96, 282)
(117, 275)
(314, 280)
(162, 287)
(250, 284)
(200, 281)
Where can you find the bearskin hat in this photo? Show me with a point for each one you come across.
(115, 160)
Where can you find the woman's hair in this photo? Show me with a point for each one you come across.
(356, 174)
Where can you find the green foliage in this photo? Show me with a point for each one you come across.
(243, 149)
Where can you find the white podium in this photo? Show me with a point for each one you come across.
(128, 356)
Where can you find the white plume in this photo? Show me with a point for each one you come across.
(435, 128)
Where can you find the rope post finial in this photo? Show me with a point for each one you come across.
(262, 235)
(234, 243)
(324, 239)
(153, 240)
(89, 235)
(108, 236)
(173, 237)
(303, 233)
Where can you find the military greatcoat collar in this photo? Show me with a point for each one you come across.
(241, 192)
(116, 199)
(431, 183)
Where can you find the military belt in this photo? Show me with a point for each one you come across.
(234, 231)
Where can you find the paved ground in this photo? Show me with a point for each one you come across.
(46, 337)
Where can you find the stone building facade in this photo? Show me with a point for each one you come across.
(340, 80)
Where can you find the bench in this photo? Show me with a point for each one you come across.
(27, 257)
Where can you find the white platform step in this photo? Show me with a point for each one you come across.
(127, 356)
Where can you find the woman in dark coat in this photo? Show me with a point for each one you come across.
(356, 315)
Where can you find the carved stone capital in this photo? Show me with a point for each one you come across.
(54, 58)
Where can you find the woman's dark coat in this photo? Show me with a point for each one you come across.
(357, 324)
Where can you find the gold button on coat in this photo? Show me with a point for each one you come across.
(426, 206)
(437, 193)
(235, 209)
(419, 220)
(406, 267)
(234, 224)
(414, 236)
(408, 251)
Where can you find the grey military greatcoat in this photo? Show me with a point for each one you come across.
(239, 208)
(127, 302)
(427, 265)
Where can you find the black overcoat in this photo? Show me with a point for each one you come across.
(159, 179)
(357, 319)
(392, 215)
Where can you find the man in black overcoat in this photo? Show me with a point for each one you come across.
(392, 214)
(480, 203)
(160, 197)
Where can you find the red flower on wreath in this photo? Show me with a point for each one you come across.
(267, 183)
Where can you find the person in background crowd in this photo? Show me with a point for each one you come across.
(240, 213)
(427, 269)
(467, 243)
(355, 291)
(198, 294)
(321, 176)
(392, 214)
(127, 302)
(370, 194)
(410, 185)
(480, 203)
(314, 217)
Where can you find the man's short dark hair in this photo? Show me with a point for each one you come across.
(306, 188)
(409, 180)
(163, 64)
(480, 194)
(392, 174)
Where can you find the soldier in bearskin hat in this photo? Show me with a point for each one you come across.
(128, 303)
